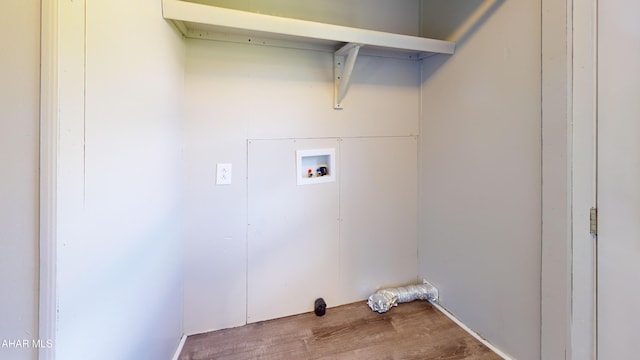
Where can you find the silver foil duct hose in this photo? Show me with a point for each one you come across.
(385, 299)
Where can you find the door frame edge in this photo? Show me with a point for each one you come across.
(49, 144)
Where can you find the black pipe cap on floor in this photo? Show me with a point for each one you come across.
(320, 307)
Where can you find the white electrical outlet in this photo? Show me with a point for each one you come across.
(223, 175)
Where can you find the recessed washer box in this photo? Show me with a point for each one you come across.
(316, 166)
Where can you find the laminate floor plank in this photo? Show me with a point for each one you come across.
(410, 331)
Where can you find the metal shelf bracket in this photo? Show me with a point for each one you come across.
(343, 61)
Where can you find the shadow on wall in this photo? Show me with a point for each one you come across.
(455, 21)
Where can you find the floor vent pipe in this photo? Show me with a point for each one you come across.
(385, 299)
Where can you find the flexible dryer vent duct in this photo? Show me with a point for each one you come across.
(384, 299)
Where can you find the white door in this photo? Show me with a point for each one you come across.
(618, 179)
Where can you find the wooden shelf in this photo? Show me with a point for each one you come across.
(193, 18)
(216, 23)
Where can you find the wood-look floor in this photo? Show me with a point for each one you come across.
(410, 331)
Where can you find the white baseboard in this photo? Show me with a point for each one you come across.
(179, 349)
(471, 332)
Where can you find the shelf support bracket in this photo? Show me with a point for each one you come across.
(343, 61)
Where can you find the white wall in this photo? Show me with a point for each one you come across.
(120, 260)
(339, 240)
(480, 215)
(236, 92)
(19, 114)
